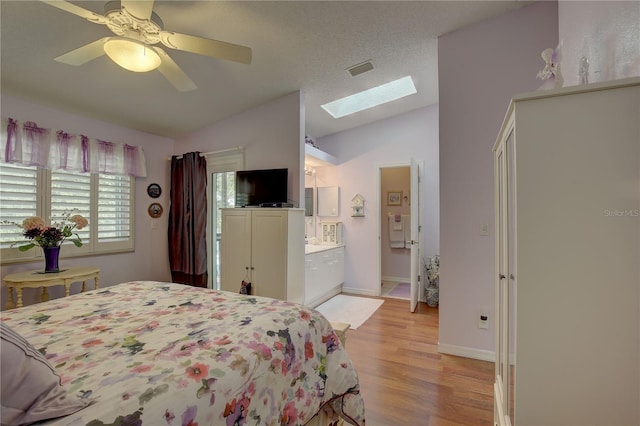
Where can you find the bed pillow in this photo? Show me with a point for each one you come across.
(31, 389)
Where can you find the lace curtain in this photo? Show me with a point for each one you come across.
(30, 145)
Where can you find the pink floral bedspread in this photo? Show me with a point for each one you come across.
(151, 353)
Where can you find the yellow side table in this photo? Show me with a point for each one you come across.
(31, 279)
(341, 329)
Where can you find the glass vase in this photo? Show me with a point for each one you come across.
(51, 259)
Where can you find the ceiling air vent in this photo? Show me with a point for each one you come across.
(360, 68)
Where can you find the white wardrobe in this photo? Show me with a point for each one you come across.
(567, 174)
(266, 247)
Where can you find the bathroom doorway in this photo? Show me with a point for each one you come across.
(400, 231)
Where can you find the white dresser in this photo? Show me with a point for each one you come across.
(265, 246)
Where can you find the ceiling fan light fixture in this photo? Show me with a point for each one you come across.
(132, 55)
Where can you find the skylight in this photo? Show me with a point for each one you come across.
(371, 97)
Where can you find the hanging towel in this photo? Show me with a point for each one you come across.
(397, 222)
(396, 236)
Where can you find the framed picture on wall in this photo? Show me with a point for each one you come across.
(154, 190)
(394, 198)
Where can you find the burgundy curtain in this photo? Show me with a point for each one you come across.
(188, 220)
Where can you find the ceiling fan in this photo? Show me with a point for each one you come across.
(137, 30)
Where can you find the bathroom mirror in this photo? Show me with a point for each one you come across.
(308, 201)
(328, 200)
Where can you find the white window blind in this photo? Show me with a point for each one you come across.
(114, 208)
(18, 200)
(106, 201)
(71, 191)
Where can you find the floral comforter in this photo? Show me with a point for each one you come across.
(151, 353)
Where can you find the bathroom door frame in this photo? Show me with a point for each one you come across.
(412, 196)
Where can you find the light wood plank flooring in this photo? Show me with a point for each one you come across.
(405, 381)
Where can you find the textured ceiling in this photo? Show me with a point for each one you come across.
(297, 45)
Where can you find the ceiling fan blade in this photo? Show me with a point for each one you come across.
(172, 72)
(77, 10)
(84, 54)
(140, 9)
(207, 47)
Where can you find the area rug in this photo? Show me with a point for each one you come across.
(352, 310)
(402, 290)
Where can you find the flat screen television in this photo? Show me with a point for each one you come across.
(257, 187)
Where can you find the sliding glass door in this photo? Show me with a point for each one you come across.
(223, 191)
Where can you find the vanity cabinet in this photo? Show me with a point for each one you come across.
(324, 275)
(567, 283)
(265, 246)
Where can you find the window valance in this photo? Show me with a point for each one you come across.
(29, 145)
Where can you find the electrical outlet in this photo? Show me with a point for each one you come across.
(483, 322)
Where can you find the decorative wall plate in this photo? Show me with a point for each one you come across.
(154, 190)
(155, 210)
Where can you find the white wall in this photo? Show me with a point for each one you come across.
(149, 261)
(271, 135)
(360, 152)
(480, 68)
(606, 32)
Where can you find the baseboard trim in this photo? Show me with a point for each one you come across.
(324, 297)
(480, 354)
(398, 279)
(360, 291)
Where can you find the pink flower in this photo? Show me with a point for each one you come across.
(80, 221)
(142, 368)
(92, 342)
(289, 414)
(198, 371)
(33, 222)
(50, 236)
(305, 315)
(308, 350)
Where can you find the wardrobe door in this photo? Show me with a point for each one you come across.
(504, 168)
(509, 282)
(235, 249)
(269, 248)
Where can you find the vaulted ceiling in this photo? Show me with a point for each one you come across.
(296, 45)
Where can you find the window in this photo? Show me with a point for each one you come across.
(221, 167)
(105, 200)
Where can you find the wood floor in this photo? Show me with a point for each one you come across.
(405, 381)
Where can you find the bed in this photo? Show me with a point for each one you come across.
(153, 353)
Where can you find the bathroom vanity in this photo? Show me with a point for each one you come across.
(323, 273)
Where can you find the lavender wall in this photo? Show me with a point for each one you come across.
(480, 68)
(149, 261)
(606, 32)
(360, 153)
(271, 134)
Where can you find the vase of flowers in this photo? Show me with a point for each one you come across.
(51, 237)
(51, 255)
(432, 272)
